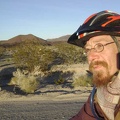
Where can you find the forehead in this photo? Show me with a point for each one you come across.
(99, 39)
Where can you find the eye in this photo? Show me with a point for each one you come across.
(99, 47)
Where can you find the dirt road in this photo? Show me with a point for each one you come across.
(37, 110)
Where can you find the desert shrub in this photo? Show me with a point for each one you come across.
(28, 83)
(2, 50)
(83, 80)
(70, 54)
(29, 55)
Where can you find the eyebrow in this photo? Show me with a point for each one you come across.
(99, 41)
(96, 42)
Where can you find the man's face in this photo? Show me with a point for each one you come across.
(102, 64)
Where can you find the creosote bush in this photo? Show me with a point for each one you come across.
(29, 55)
(70, 54)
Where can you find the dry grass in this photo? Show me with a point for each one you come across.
(27, 83)
(83, 80)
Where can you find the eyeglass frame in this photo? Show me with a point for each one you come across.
(94, 48)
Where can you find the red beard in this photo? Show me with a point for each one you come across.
(101, 77)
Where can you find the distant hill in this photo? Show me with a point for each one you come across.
(62, 39)
(22, 38)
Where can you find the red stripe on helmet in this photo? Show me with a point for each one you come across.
(112, 18)
(89, 18)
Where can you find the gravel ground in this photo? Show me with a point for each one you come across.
(37, 110)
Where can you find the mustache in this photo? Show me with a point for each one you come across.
(102, 63)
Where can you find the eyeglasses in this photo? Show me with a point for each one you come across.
(99, 47)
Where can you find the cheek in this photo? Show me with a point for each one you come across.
(111, 59)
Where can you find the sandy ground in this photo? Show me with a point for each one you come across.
(37, 110)
(49, 93)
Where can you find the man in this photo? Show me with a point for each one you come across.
(100, 36)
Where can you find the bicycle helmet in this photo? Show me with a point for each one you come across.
(102, 23)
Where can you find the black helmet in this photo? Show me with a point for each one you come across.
(102, 23)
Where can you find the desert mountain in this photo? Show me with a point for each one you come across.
(62, 39)
(22, 38)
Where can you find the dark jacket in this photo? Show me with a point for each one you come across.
(86, 113)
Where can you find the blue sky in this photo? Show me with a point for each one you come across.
(48, 18)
